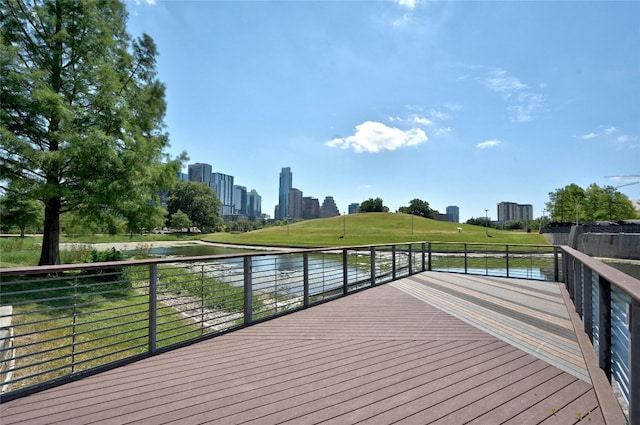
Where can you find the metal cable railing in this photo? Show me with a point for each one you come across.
(608, 301)
(71, 320)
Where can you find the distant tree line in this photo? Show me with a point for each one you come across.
(594, 203)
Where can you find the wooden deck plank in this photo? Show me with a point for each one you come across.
(524, 330)
(378, 356)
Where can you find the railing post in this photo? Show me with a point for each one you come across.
(248, 293)
(570, 276)
(587, 296)
(506, 253)
(578, 285)
(556, 263)
(410, 260)
(634, 360)
(305, 278)
(429, 266)
(393, 262)
(153, 307)
(372, 256)
(423, 250)
(345, 272)
(604, 326)
(465, 259)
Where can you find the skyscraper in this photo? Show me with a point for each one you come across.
(254, 204)
(240, 200)
(200, 172)
(454, 214)
(310, 207)
(222, 184)
(295, 203)
(329, 208)
(508, 211)
(286, 183)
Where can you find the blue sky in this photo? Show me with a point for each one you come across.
(465, 103)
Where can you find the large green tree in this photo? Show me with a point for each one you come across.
(198, 201)
(418, 207)
(373, 205)
(82, 113)
(593, 204)
(20, 211)
(565, 203)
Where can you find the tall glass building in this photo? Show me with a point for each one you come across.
(454, 214)
(200, 172)
(286, 179)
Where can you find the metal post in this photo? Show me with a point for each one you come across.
(507, 258)
(248, 293)
(556, 268)
(305, 278)
(578, 285)
(372, 256)
(410, 253)
(465, 259)
(587, 297)
(423, 250)
(429, 268)
(393, 262)
(604, 326)
(345, 272)
(153, 304)
(634, 360)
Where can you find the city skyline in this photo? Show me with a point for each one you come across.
(464, 103)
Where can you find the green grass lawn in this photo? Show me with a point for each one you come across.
(373, 228)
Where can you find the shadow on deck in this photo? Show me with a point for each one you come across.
(494, 350)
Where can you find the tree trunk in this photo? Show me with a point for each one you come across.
(50, 253)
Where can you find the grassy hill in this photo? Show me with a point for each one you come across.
(373, 228)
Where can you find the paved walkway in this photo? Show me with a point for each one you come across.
(384, 355)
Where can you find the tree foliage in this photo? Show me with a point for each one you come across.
(180, 220)
(198, 201)
(373, 205)
(418, 207)
(480, 221)
(20, 211)
(82, 113)
(593, 204)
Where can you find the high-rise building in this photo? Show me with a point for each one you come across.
(525, 212)
(240, 200)
(454, 214)
(310, 207)
(329, 208)
(354, 208)
(200, 172)
(222, 184)
(295, 204)
(254, 205)
(508, 211)
(286, 183)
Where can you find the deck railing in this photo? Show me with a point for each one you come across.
(67, 321)
(608, 301)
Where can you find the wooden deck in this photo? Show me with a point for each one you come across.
(493, 351)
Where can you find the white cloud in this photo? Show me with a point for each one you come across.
(372, 136)
(588, 136)
(522, 101)
(488, 144)
(409, 4)
(421, 120)
(501, 82)
(608, 129)
(443, 131)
